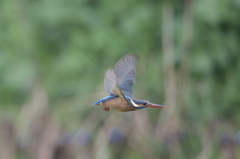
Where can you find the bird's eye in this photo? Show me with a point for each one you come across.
(144, 103)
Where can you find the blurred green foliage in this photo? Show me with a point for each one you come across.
(66, 47)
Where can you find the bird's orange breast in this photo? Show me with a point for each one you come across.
(118, 104)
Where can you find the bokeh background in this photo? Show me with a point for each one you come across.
(53, 56)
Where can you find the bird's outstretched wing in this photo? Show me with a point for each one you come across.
(125, 73)
(109, 81)
(111, 85)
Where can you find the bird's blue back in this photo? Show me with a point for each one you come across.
(108, 98)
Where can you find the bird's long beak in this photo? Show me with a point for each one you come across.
(155, 106)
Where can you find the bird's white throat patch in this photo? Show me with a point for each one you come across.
(134, 104)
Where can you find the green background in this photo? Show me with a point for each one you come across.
(53, 56)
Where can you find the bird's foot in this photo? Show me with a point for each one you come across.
(106, 109)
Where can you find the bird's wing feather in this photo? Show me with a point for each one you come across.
(111, 85)
(109, 81)
(125, 73)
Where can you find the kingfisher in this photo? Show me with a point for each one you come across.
(119, 84)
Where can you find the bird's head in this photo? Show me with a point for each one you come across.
(140, 104)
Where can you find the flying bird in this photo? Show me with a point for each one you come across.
(119, 84)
